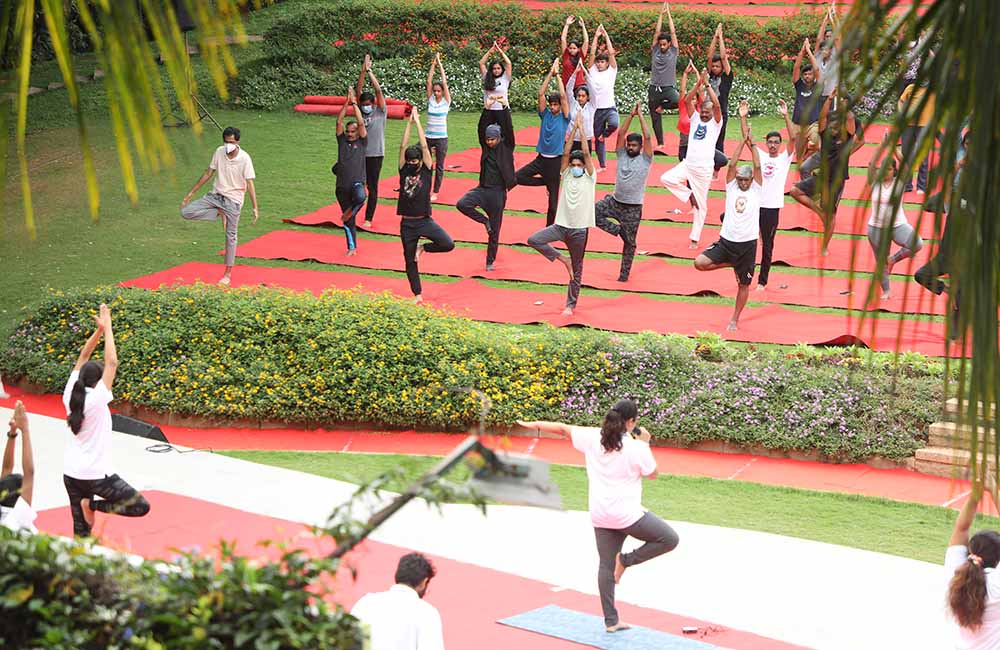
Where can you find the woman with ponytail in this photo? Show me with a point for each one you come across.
(974, 590)
(618, 458)
(87, 463)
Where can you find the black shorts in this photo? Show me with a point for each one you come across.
(742, 256)
(808, 186)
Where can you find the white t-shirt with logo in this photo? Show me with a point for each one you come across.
(774, 172)
(231, 174)
(742, 222)
(882, 209)
(615, 477)
(701, 142)
(88, 453)
(602, 86)
(987, 635)
(20, 517)
(501, 88)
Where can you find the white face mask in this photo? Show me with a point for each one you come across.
(230, 147)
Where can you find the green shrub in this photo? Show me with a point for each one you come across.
(345, 356)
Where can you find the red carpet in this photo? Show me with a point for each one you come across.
(793, 250)
(177, 521)
(470, 298)
(760, 11)
(648, 275)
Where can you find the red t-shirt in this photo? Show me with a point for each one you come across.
(684, 121)
(568, 66)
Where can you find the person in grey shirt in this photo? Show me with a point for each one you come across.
(373, 113)
(634, 158)
(663, 93)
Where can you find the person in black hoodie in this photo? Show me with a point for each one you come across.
(496, 175)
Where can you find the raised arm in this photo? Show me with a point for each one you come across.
(647, 139)
(424, 149)
(716, 105)
(852, 131)
(27, 454)
(444, 80)
(822, 28)
(8, 450)
(758, 174)
(817, 73)
(360, 87)
(557, 428)
(960, 534)
(405, 142)
(88, 348)
(362, 129)
(659, 25)
(797, 65)
(563, 96)
(544, 88)
(783, 109)
(586, 40)
(722, 53)
(825, 111)
(379, 97)
(743, 111)
(508, 67)
(110, 350)
(430, 78)
(593, 51)
(482, 61)
(673, 32)
(713, 45)
(563, 40)
(623, 129)
(612, 61)
(568, 145)
(343, 112)
(734, 162)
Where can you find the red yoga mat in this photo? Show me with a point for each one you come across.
(791, 249)
(340, 100)
(649, 275)
(393, 111)
(629, 313)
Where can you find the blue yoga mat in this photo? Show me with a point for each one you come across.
(561, 623)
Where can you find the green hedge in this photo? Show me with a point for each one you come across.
(58, 594)
(276, 355)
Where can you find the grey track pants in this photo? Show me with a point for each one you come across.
(659, 538)
(207, 208)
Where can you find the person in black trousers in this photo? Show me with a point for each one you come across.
(485, 203)
(414, 206)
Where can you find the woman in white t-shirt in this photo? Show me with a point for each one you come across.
(16, 490)
(974, 588)
(884, 221)
(618, 458)
(496, 79)
(87, 470)
(438, 105)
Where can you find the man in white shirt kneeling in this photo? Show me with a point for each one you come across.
(399, 619)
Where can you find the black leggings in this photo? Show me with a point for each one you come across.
(768, 228)
(117, 498)
(439, 147)
(373, 169)
(410, 231)
(547, 172)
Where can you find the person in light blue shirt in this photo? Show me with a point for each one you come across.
(553, 110)
(438, 105)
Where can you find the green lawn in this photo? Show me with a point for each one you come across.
(905, 529)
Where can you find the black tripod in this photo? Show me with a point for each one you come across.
(179, 119)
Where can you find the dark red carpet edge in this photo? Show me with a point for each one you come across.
(470, 598)
(793, 250)
(648, 275)
(470, 298)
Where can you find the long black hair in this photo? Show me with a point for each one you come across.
(489, 79)
(967, 591)
(90, 374)
(614, 424)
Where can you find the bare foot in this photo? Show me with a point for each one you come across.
(351, 252)
(761, 287)
(367, 225)
(568, 311)
(619, 568)
(225, 280)
(569, 265)
(417, 299)
(693, 245)
(824, 253)
(732, 326)
(434, 197)
(88, 512)
(618, 627)
(885, 296)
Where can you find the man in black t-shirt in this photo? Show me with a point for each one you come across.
(350, 171)
(414, 206)
(807, 81)
(720, 75)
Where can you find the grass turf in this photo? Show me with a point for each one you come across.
(908, 530)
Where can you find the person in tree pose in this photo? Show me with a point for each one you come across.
(721, 80)
(603, 72)
(438, 105)
(374, 116)
(581, 104)
(663, 93)
(17, 490)
(574, 53)
(496, 78)
(553, 111)
(350, 171)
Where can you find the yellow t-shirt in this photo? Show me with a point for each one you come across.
(917, 96)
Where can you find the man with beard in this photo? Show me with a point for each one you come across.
(400, 618)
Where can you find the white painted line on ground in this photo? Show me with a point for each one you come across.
(531, 446)
(950, 502)
(740, 470)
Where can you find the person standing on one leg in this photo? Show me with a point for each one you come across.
(553, 110)
(618, 458)
(737, 245)
(573, 54)
(438, 105)
(721, 80)
(603, 72)
(17, 490)
(496, 78)
(574, 217)
(918, 105)
(234, 176)
(634, 157)
(350, 171)
(774, 166)
(581, 104)
(88, 471)
(686, 108)
(663, 93)
(374, 115)
(414, 206)
(807, 82)
(485, 203)
(697, 167)
(886, 224)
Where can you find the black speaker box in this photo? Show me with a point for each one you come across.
(133, 427)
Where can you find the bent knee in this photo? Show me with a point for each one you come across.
(702, 263)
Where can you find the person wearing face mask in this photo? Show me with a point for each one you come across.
(496, 78)
(602, 75)
(774, 166)
(574, 218)
(634, 157)
(484, 203)
(697, 167)
(438, 105)
(737, 244)
(373, 113)
(234, 176)
(414, 206)
(553, 110)
(400, 618)
(350, 171)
